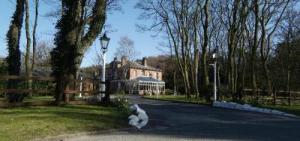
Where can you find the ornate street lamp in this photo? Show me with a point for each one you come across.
(104, 41)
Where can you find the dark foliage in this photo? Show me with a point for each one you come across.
(71, 40)
(14, 55)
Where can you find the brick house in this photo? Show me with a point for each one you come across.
(135, 78)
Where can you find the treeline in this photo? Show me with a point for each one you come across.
(257, 42)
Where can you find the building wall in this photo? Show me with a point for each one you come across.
(134, 73)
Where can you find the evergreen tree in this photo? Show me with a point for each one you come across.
(14, 55)
(72, 39)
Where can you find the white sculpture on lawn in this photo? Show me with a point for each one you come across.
(139, 119)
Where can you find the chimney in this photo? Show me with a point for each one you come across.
(145, 61)
(123, 60)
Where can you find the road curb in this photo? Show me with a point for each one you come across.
(250, 108)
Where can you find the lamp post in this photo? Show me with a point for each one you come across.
(80, 87)
(214, 56)
(104, 40)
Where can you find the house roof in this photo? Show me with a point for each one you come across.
(139, 66)
(148, 79)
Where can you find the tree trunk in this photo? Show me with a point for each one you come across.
(232, 44)
(28, 44)
(240, 82)
(288, 87)
(196, 59)
(175, 82)
(205, 80)
(253, 50)
(34, 34)
(70, 41)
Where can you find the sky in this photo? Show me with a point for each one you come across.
(121, 23)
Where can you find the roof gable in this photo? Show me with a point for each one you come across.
(136, 65)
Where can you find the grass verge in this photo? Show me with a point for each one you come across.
(27, 123)
(178, 98)
(295, 109)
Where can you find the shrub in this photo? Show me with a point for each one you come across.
(207, 92)
(122, 104)
(169, 92)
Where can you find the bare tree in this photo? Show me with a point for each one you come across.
(42, 54)
(271, 15)
(126, 49)
(180, 21)
(244, 31)
(234, 16)
(286, 52)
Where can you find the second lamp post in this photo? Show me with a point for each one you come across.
(214, 56)
(104, 40)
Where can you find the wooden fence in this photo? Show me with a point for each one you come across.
(23, 78)
(278, 97)
(89, 87)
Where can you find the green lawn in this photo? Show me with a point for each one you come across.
(178, 98)
(39, 98)
(28, 123)
(33, 99)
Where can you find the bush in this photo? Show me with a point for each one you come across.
(119, 92)
(207, 92)
(121, 103)
(223, 93)
(169, 92)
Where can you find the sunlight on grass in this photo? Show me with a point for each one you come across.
(178, 98)
(38, 122)
(39, 98)
(295, 109)
(32, 99)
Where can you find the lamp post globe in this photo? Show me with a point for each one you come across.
(214, 55)
(104, 41)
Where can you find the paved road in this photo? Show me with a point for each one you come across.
(177, 121)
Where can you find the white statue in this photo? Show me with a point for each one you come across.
(139, 119)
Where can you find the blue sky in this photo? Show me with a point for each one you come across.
(122, 24)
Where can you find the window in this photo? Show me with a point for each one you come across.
(135, 73)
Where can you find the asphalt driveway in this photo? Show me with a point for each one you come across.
(177, 121)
